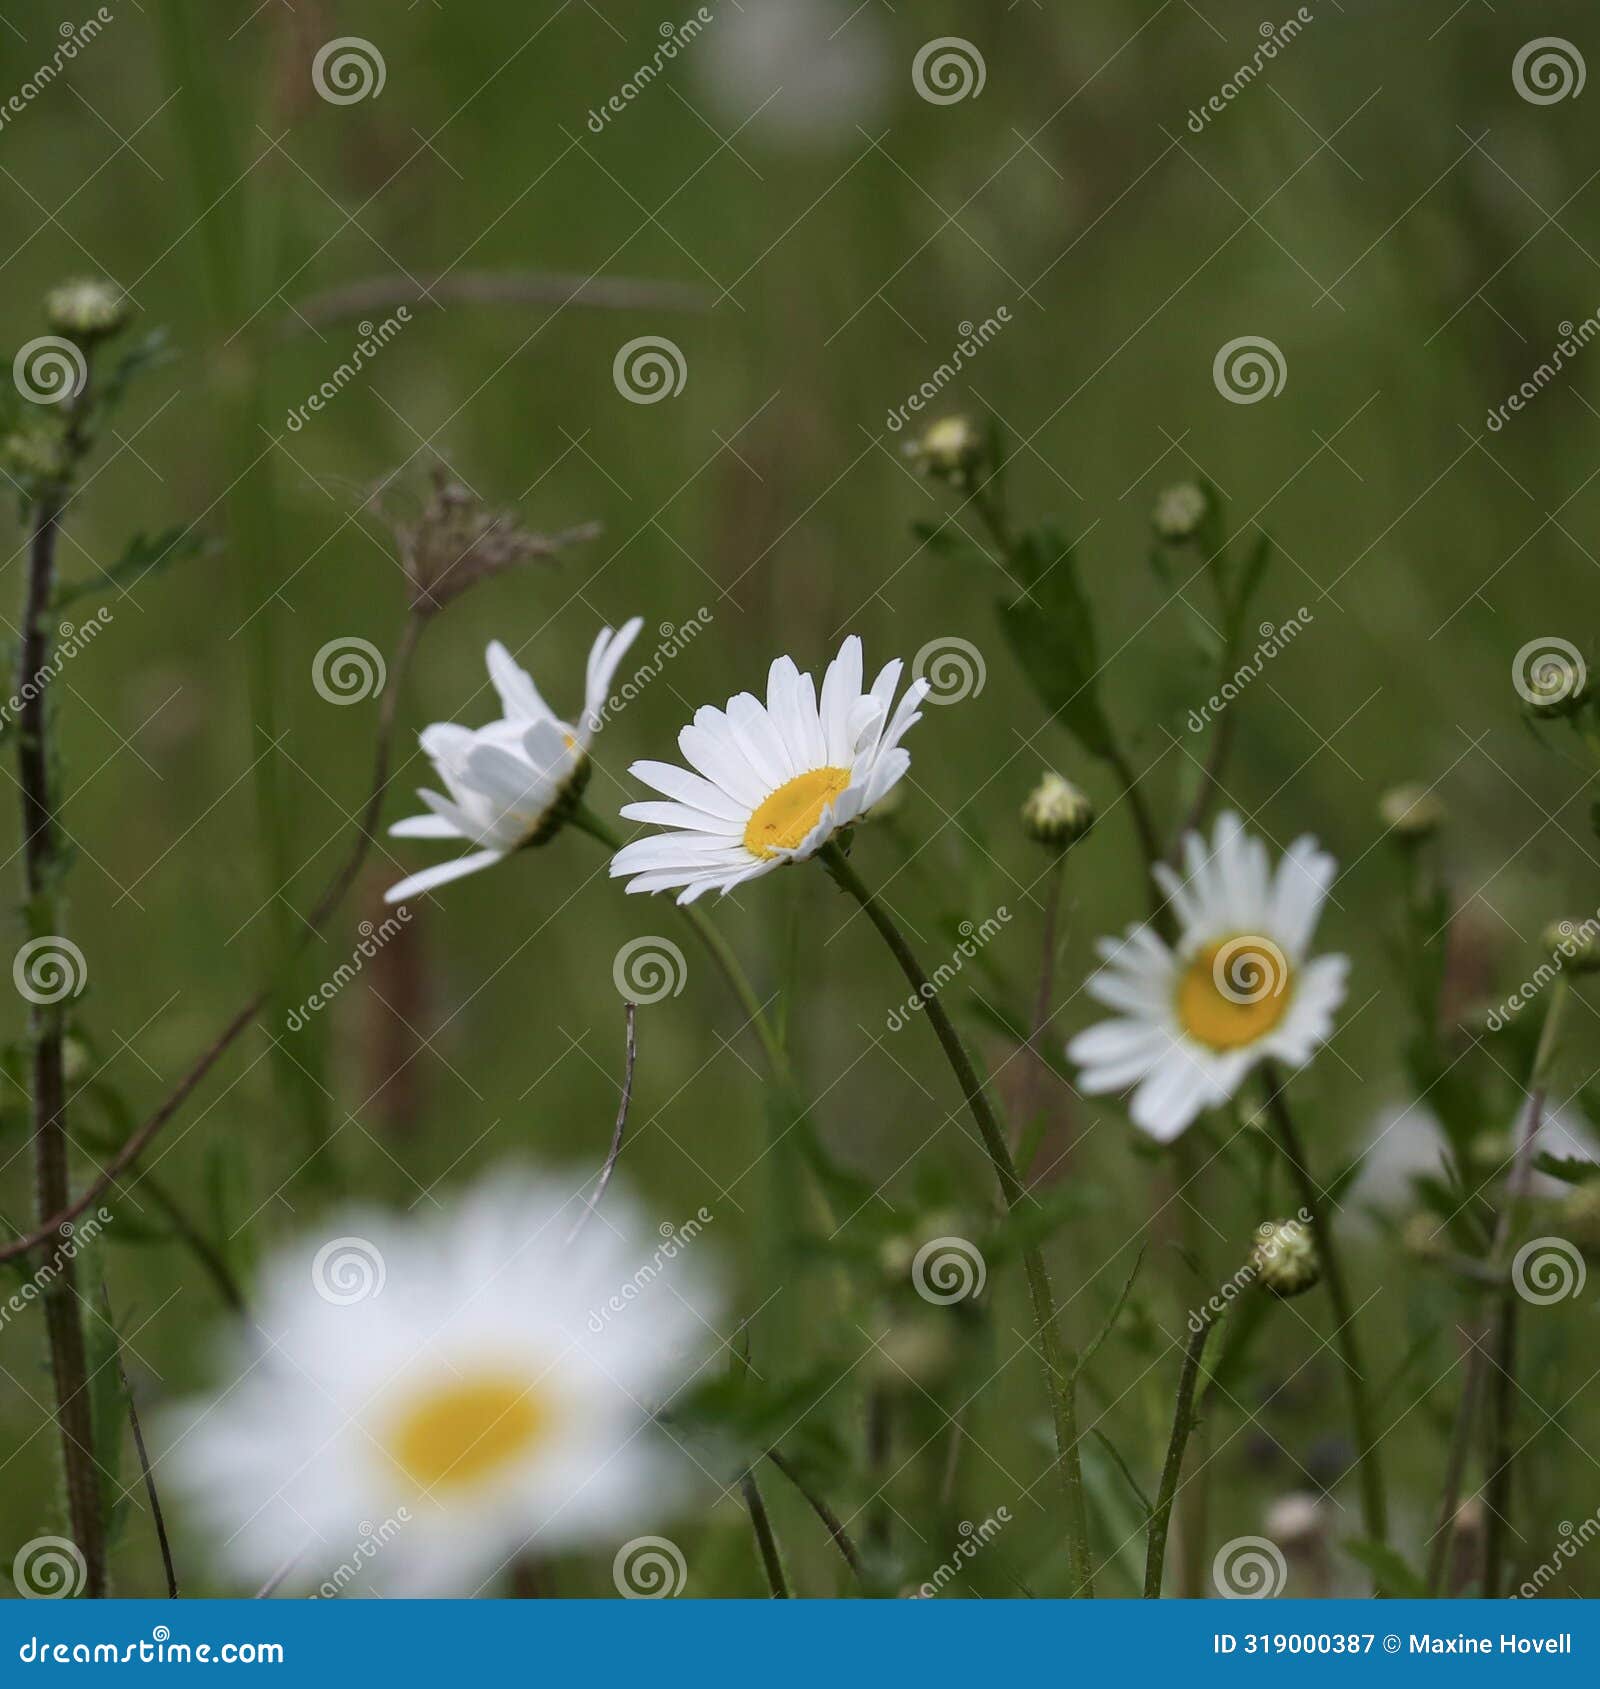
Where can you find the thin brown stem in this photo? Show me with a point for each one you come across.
(62, 1209)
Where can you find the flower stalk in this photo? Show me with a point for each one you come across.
(1373, 1507)
(43, 869)
(1184, 1420)
(1057, 1362)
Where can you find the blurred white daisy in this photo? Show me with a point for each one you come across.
(1239, 988)
(775, 782)
(465, 1378)
(513, 782)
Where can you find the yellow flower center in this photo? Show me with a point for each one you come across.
(783, 818)
(466, 1429)
(1234, 992)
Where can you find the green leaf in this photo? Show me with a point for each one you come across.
(1570, 1169)
(141, 559)
(1050, 629)
(1251, 575)
(1389, 1571)
(1088, 1353)
(945, 539)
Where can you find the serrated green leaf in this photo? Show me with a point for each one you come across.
(141, 558)
(1389, 1571)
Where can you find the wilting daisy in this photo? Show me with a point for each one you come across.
(774, 781)
(1239, 988)
(513, 782)
(464, 1384)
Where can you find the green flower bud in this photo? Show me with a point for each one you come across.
(86, 310)
(949, 450)
(1056, 814)
(1284, 1257)
(1411, 813)
(1179, 511)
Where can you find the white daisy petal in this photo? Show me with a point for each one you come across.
(442, 873)
(425, 827)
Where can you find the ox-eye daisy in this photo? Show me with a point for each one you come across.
(513, 782)
(465, 1384)
(1238, 989)
(775, 782)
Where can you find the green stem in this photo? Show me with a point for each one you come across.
(1184, 1420)
(1373, 1508)
(766, 1538)
(1058, 1368)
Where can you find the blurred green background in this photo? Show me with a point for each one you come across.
(1381, 204)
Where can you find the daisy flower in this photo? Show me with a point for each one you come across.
(463, 1384)
(1239, 988)
(773, 782)
(513, 782)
